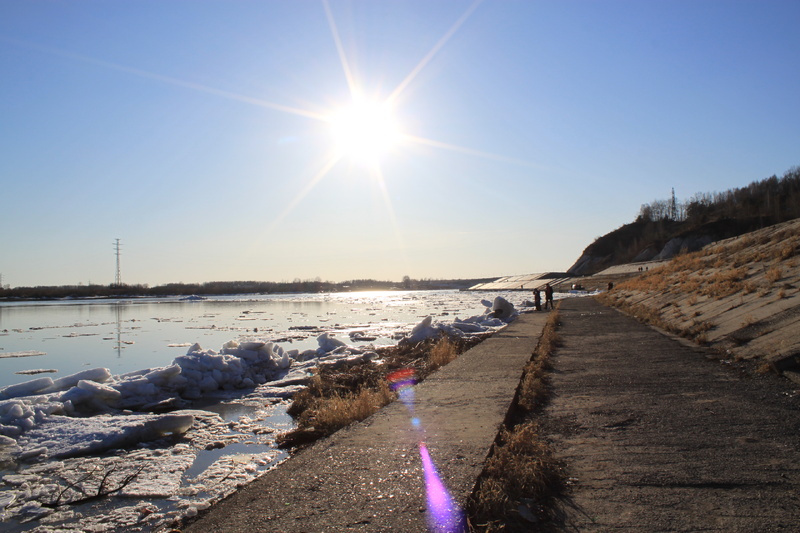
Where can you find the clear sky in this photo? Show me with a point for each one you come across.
(504, 135)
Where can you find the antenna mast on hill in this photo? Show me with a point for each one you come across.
(118, 277)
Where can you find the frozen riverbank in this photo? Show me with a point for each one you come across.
(81, 437)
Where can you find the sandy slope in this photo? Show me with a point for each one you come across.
(740, 297)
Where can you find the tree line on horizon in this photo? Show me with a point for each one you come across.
(772, 199)
(213, 288)
(717, 215)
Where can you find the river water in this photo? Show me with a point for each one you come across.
(232, 440)
(66, 336)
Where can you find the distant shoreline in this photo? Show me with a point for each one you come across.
(225, 288)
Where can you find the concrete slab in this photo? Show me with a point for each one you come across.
(369, 477)
(657, 437)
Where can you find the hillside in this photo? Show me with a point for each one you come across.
(739, 296)
(666, 228)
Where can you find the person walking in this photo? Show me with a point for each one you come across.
(548, 296)
(537, 299)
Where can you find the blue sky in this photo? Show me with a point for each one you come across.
(196, 132)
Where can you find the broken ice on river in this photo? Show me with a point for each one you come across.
(152, 439)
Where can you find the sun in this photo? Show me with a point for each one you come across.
(364, 131)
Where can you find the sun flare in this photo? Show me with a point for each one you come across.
(365, 131)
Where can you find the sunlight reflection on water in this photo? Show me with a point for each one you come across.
(132, 334)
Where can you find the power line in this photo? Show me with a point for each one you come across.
(118, 277)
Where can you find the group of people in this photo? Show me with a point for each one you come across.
(548, 297)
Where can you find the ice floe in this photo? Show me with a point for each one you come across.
(136, 435)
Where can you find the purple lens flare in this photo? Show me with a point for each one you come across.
(402, 381)
(444, 515)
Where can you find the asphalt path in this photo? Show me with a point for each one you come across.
(656, 435)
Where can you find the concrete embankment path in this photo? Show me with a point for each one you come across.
(369, 476)
(658, 437)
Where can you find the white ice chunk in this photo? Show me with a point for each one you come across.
(163, 374)
(503, 309)
(230, 346)
(70, 437)
(422, 331)
(27, 388)
(492, 323)
(9, 430)
(6, 499)
(469, 327)
(76, 396)
(100, 392)
(327, 343)
(194, 348)
(100, 375)
(251, 345)
(305, 355)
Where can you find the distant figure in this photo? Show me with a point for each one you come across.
(537, 299)
(548, 296)
(610, 285)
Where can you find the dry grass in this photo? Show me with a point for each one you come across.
(337, 411)
(750, 272)
(774, 274)
(748, 320)
(521, 471)
(534, 386)
(442, 353)
(335, 397)
(521, 477)
(725, 282)
(696, 330)
(788, 250)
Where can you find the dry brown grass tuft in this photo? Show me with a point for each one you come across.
(331, 414)
(521, 469)
(336, 397)
(774, 274)
(787, 250)
(725, 282)
(521, 477)
(534, 386)
(442, 353)
(748, 320)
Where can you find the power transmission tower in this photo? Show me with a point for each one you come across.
(118, 277)
(673, 206)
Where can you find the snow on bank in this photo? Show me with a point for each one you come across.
(75, 427)
(238, 365)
